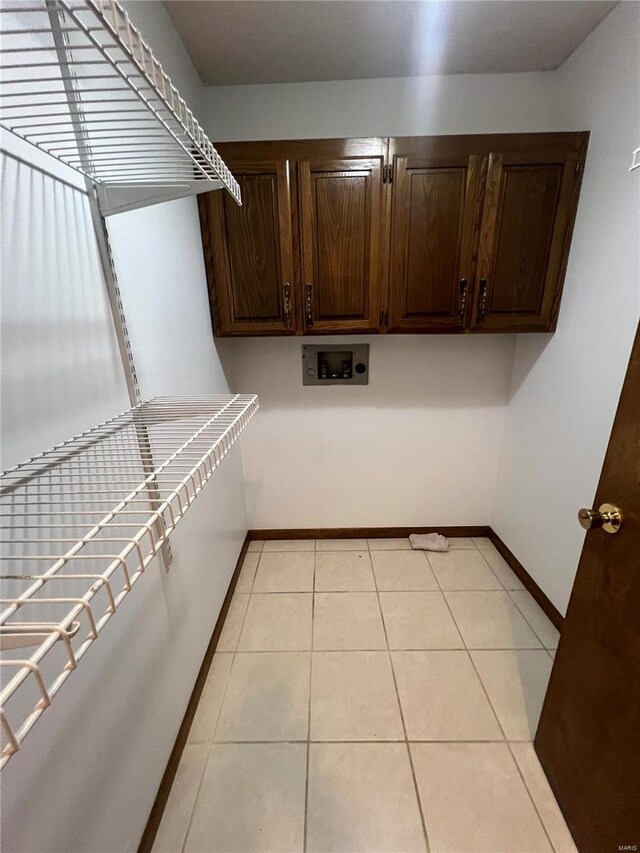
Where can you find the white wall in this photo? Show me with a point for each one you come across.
(61, 371)
(158, 254)
(88, 773)
(565, 387)
(462, 103)
(420, 444)
(151, 18)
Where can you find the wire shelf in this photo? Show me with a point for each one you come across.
(79, 82)
(80, 524)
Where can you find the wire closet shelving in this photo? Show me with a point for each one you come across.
(81, 523)
(79, 82)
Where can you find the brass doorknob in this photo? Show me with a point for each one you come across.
(608, 517)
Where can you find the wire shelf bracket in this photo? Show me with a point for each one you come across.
(80, 524)
(79, 82)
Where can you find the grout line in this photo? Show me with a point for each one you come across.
(211, 744)
(471, 660)
(224, 694)
(255, 574)
(246, 610)
(467, 550)
(524, 616)
(533, 802)
(306, 778)
(495, 714)
(402, 720)
(491, 569)
(378, 649)
(355, 740)
(195, 799)
(370, 589)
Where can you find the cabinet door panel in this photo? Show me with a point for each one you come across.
(340, 233)
(254, 256)
(432, 233)
(528, 213)
(341, 262)
(251, 264)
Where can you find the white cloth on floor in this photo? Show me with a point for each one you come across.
(429, 542)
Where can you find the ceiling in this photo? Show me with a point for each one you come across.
(262, 41)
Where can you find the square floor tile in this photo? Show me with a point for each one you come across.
(474, 799)
(247, 572)
(501, 568)
(289, 545)
(542, 795)
(490, 620)
(286, 571)
(516, 682)
(344, 571)
(461, 543)
(206, 716)
(537, 618)
(389, 545)
(442, 698)
(419, 620)
(353, 697)
(402, 570)
(347, 620)
(362, 797)
(483, 543)
(251, 799)
(233, 623)
(256, 545)
(267, 697)
(277, 622)
(463, 570)
(179, 808)
(341, 545)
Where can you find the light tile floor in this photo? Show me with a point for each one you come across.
(367, 697)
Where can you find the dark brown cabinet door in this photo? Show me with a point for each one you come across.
(249, 252)
(528, 214)
(340, 235)
(435, 207)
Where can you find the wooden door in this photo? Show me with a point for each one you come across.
(249, 252)
(588, 739)
(529, 209)
(340, 234)
(435, 209)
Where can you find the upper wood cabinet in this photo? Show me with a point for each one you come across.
(529, 208)
(249, 252)
(408, 234)
(340, 202)
(436, 203)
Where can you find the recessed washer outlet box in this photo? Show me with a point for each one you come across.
(335, 364)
